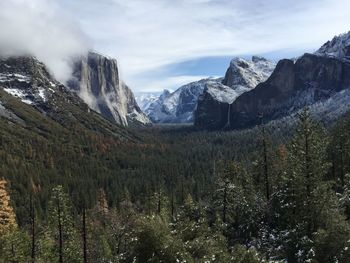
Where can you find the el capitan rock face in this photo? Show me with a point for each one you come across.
(97, 81)
(291, 87)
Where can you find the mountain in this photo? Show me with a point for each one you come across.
(97, 82)
(180, 106)
(177, 107)
(145, 99)
(31, 99)
(320, 81)
(241, 76)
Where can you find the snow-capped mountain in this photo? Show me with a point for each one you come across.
(177, 107)
(338, 47)
(320, 81)
(241, 76)
(97, 82)
(145, 99)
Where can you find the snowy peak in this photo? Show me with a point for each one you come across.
(247, 74)
(145, 99)
(178, 106)
(338, 47)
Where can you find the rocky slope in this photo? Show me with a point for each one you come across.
(242, 76)
(97, 82)
(319, 80)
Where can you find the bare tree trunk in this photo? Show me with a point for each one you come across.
(32, 217)
(224, 209)
(84, 236)
(266, 172)
(60, 231)
(341, 165)
(159, 200)
(172, 202)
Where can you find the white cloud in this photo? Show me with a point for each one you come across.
(170, 83)
(40, 28)
(145, 35)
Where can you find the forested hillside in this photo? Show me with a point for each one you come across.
(173, 194)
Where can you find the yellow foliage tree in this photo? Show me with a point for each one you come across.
(7, 215)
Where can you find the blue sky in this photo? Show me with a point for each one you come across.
(163, 44)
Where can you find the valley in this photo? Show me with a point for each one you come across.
(250, 165)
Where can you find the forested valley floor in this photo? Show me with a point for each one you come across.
(174, 194)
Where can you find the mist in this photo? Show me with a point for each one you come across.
(40, 28)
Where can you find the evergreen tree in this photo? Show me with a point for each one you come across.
(238, 204)
(62, 227)
(305, 201)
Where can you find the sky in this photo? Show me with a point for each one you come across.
(163, 44)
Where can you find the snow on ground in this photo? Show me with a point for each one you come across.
(19, 94)
(222, 93)
(246, 73)
(41, 93)
(6, 77)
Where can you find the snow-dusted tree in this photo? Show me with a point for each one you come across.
(237, 202)
(305, 201)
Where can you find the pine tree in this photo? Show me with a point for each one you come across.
(306, 201)
(62, 227)
(237, 203)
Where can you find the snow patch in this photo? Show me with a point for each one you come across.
(222, 93)
(338, 47)
(19, 94)
(7, 77)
